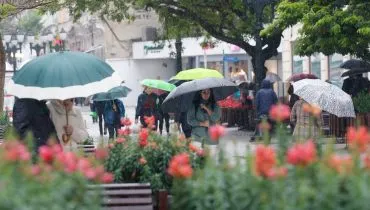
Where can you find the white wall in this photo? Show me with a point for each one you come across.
(133, 71)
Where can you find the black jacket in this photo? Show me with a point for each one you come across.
(147, 105)
(30, 115)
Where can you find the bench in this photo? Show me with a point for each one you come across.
(133, 196)
(87, 149)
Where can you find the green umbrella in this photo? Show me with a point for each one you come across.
(158, 84)
(198, 73)
(63, 75)
(117, 92)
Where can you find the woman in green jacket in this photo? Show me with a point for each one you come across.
(203, 113)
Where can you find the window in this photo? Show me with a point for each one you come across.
(335, 71)
(316, 65)
(297, 62)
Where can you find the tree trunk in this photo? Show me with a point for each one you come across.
(258, 62)
(178, 46)
(2, 74)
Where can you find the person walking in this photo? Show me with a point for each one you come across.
(99, 108)
(114, 112)
(306, 125)
(164, 118)
(71, 132)
(203, 113)
(265, 98)
(146, 107)
(31, 115)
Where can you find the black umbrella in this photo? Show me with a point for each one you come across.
(355, 71)
(181, 98)
(355, 64)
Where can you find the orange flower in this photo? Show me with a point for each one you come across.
(143, 137)
(280, 112)
(358, 139)
(179, 166)
(193, 148)
(265, 160)
(312, 109)
(264, 126)
(142, 161)
(302, 154)
(216, 132)
(341, 164)
(149, 121)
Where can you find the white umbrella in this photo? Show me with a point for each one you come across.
(328, 97)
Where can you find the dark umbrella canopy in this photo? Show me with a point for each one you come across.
(181, 98)
(355, 64)
(297, 77)
(355, 72)
(114, 93)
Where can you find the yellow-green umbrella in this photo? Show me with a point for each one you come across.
(198, 73)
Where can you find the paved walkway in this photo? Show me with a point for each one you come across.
(235, 143)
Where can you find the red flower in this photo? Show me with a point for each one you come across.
(120, 140)
(275, 173)
(126, 131)
(149, 120)
(200, 153)
(90, 173)
(83, 164)
(35, 170)
(302, 154)
(216, 132)
(101, 153)
(46, 154)
(107, 178)
(179, 166)
(193, 148)
(121, 132)
(142, 161)
(341, 164)
(126, 122)
(280, 112)
(265, 160)
(143, 137)
(111, 146)
(358, 139)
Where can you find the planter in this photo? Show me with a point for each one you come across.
(161, 200)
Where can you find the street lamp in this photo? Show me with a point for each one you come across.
(57, 42)
(37, 44)
(13, 43)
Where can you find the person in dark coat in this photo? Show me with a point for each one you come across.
(99, 108)
(355, 84)
(182, 122)
(265, 98)
(163, 117)
(114, 112)
(146, 107)
(293, 97)
(31, 115)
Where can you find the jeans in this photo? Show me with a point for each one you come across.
(113, 129)
(100, 117)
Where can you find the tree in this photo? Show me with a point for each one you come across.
(175, 28)
(8, 9)
(331, 26)
(238, 22)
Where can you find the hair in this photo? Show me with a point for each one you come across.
(198, 98)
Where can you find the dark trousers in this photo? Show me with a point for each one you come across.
(113, 129)
(164, 118)
(100, 117)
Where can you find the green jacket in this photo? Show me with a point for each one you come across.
(194, 117)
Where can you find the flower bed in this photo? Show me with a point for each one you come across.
(146, 159)
(52, 180)
(300, 175)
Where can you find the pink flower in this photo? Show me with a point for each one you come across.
(280, 112)
(107, 178)
(126, 122)
(216, 132)
(101, 153)
(120, 140)
(46, 154)
(302, 154)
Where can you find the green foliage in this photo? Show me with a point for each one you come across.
(331, 181)
(124, 160)
(362, 102)
(37, 184)
(30, 23)
(5, 10)
(327, 26)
